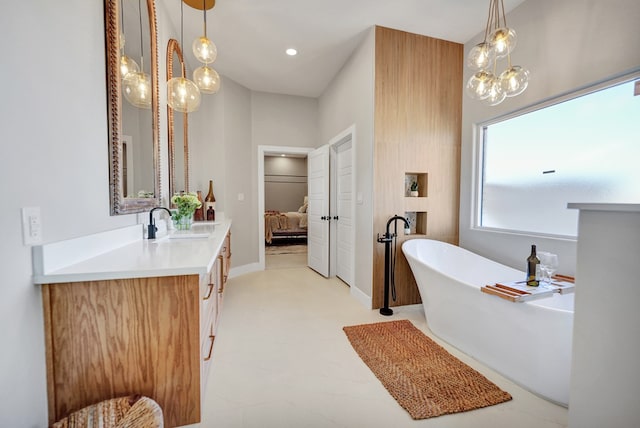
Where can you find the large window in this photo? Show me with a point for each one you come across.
(585, 149)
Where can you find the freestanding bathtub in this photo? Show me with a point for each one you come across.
(528, 342)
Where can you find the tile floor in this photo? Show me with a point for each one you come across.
(282, 360)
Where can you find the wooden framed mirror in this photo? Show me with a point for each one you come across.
(134, 137)
(178, 125)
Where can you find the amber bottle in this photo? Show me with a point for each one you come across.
(199, 214)
(209, 203)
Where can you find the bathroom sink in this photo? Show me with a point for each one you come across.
(188, 234)
(197, 231)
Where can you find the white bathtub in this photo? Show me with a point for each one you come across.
(529, 342)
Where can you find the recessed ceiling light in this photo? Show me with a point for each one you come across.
(291, 52)
(283, 155)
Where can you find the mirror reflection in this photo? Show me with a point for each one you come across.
(132, 86)
(178, 127)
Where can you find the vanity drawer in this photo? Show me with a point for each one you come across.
(206, 356)
(210, 292)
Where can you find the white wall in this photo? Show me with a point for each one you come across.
(241, 175)
(285, 183)
(54, 137)
(284, 120)
(565, 45)
(349, 100)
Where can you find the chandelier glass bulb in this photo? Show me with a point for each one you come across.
(479, 85)
(206, 79)
(514, 80)
(503, 41)
(495, 93)
(137, 89)
(127, 65)
(204, 50)
(481, 57)
(183, 95)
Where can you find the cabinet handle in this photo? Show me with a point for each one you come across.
(222, 275)
(209, 293)
(208, 357)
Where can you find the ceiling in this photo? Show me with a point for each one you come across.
(252, 35)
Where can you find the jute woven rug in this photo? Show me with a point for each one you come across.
(421, 375)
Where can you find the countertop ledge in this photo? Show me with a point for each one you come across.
(132, 259)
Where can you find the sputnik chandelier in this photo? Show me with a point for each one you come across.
(499, 41)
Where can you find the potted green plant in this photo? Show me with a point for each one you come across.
(186, 203)
(414, 189)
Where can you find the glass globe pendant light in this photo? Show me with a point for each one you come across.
(127, 65)
(481, 57)
(514, 80)
(503, 41)
(137, 89)
(182, 94)
(207, 79)
(136, 85)
(479, 85)
(204, 49)
(495, 93)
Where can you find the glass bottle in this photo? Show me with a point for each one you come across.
(533, 266)
(209, 203)
(199, 214)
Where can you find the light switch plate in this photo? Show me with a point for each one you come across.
(31, 226)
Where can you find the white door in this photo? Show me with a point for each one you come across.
(318, 211)
(343, 212)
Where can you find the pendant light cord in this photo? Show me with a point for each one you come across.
(181, 24)
(141, 44)
(204, 11)
(122, 22)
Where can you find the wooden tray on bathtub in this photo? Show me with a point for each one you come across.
(518, 291)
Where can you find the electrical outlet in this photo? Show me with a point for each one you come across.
(31, 226)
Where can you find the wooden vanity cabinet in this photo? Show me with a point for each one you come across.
(152, 336)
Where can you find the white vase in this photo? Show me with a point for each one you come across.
(414, 193)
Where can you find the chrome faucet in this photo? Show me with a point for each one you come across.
(151, 228)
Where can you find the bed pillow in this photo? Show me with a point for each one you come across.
(303, 208)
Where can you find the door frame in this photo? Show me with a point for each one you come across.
(262, 152)
(349, 134)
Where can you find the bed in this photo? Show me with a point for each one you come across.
(292, 224)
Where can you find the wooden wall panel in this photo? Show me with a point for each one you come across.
(418, 114)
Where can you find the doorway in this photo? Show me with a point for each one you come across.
(334, 205)
(266, 152)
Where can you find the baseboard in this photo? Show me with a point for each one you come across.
(359, 295)
(245, 269)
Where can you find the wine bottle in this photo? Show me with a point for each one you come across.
(533, 264)
(210, 203)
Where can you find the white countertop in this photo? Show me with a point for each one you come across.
(145, 258)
